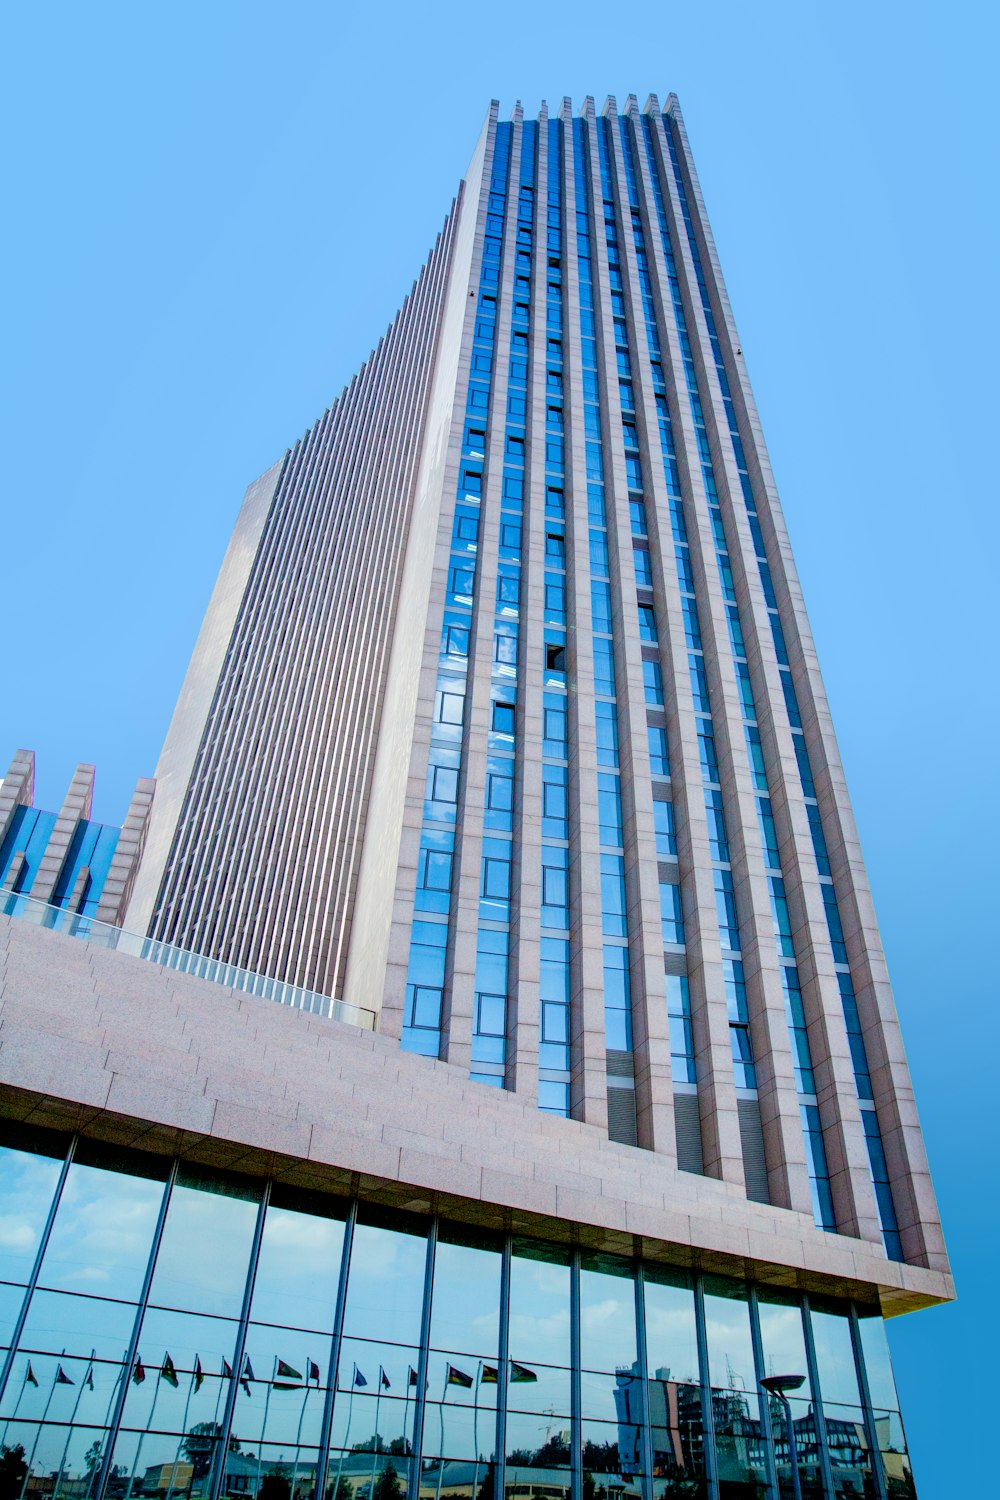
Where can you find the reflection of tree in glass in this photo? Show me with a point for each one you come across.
(344, 1490)
(387, 1486)
(199, 1444)
(13, 1470)
(92, 1466)
(377, 1444)
(276, 1485)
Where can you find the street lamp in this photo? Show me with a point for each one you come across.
(777, 1385)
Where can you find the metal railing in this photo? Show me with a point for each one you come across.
(181, 960)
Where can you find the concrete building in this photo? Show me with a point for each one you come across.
(503, 765)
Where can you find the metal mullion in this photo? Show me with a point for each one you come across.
(826, 1473)
(871, 1431)
(420, 1401)
(128, 1364)
(219, 1475)
(336, 1341)
(18, 1329)
(647, 1431)
(707, 1414)
(576, 1382)
(763, 1405)
(503, 1373)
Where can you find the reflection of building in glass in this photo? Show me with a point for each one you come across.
(471, 1068)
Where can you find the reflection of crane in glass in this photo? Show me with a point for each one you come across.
(549, 1412)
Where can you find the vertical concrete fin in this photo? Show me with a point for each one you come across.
(75, 809)
(128, 852)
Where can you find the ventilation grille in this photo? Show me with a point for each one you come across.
(687, 1122)
(752, 1138)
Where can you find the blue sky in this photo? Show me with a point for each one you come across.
(213, 211)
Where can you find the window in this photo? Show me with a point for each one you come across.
(505, 645)
(671, 915)
(555, 545)
(659, 765)
(643, 568)
(509, 589)
(451, 708)
(554, 727)
(554, 802)
(466, 526)
(604, 668)
(503, 718)
(555, 658)
(652, 680)
(647, 623)
(663, 825)
(444, 783)
(607, 735)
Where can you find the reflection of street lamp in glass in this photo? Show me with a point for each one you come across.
(777, 1385)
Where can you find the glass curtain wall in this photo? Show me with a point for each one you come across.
(173, 1332)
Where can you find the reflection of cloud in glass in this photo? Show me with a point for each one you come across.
(298, 1271)
(220, 1229)
(27, 1183)
(783, 1340)
(102, 1232)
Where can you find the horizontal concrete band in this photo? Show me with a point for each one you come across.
(126, 1052)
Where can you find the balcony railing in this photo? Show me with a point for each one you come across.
(103, 935)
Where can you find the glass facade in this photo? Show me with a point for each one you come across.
(167, 1330)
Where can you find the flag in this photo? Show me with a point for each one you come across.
(314, 1371)
(199, 1374)
(489, 1375)
(359, 1379)
(29, 1375)
(227, 1370)
(88, 1379)
(520, 1374)
(62, 1378)
(411, 1375)
(458, 1377)
(167, 1371)
(138, 1374)
(383, 1380)
(286, 1378)
(247, 1375)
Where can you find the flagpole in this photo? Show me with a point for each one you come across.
(17, 1403)
(298, 1435)
(69, 1432)
(475, 1430)
(437, 1493)
(38, 1433)
(180, 1440)
(378, 1398)
(347, 1434)
(216, 1435)
(142, 1435)
(267, 1403)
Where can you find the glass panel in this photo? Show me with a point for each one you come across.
(539, 1306)
(678, 1439)
(838, 1379)
(607, 1314)
(671, 1335)
(381, 1476)
(735, 1407)
(27, 1183)
(215, 1215)
(612, 1460)
(465, 1307)
(878, 1365)
(103, 1232)
(295, 1285)
(385, 1289)
(784, 1348)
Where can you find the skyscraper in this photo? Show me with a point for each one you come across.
(503, 762)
